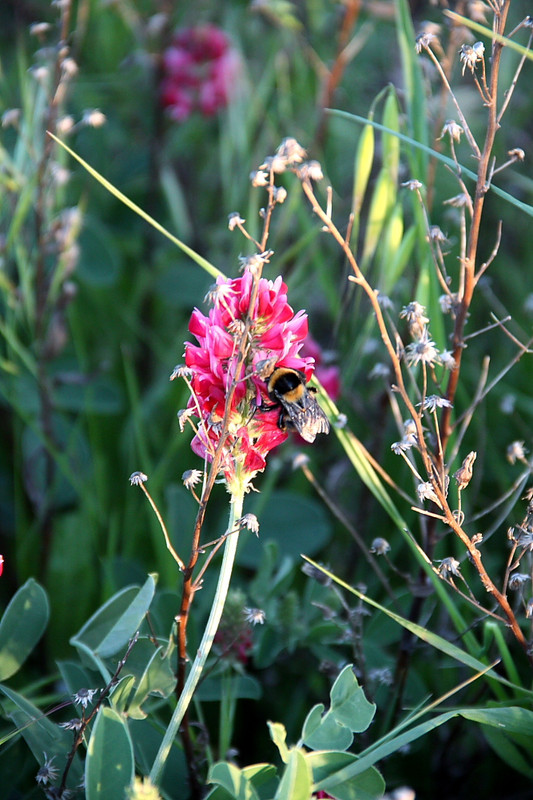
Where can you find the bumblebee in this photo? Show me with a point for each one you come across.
(298, 407)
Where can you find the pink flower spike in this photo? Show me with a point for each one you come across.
(276, 335)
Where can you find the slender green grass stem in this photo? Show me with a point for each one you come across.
(230, 549)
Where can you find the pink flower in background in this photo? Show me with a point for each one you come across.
(329, 376)
(277, 333)
(201, 71)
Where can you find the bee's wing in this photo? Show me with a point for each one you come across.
(307, 417)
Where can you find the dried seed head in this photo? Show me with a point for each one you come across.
(516, 452)
(85, 696)
(191, 477)
(436, 235)
(180, 371)
(517, 580)
(235, 219)
(452, 129)
(251, 522)
(313, 572)
(423, 41)
(422, 351)
(448, 303)
(463, 476)
(47, 773)
(425, 491)
(469, 55)
(254, 616)
(380, 546)
(516, 153)
(449, 566)
(291, 151)
(458, 200)
(447, 360)
(259, 178)
(136, 478)
(300, 460)
(185, 414)
(433, 401)
(94, 118)
(414, 314)
(413, 185)
(310, 170)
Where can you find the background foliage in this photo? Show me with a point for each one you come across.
(84, 377)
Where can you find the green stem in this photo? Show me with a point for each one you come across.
(230, 549)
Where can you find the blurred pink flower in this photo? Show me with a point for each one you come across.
(201, 71)
(277, 333)
(329, 376)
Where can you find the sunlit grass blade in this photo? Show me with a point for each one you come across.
(465, 172)
(198, 259)
(433, 639)
(490, 34)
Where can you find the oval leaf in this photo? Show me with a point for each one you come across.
(109, 767)
(22, 625)
(113, 625)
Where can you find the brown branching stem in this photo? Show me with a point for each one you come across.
(434, 463)
(192, 583)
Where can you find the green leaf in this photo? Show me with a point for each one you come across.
(507, 749)
(297, 524)
(350, 713)
(109, 767)
(369, 785)
(426, 635)
(40, 734)
(364, 159)
(23, 623)
(121, 694)
(158, 678)
(380, 750)
(390, 142)
(233, 780)
(381, 205)
(278, 734)
(511, 719)
(113, 625)
(414, 86)
(296, 782)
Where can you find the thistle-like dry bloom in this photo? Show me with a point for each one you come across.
(423, 351)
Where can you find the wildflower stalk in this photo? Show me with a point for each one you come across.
(470, 277)
(434, 462)
(230, 549)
